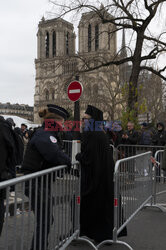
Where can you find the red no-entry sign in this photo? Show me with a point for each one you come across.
(74, 90)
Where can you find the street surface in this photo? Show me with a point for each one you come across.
(146, 231)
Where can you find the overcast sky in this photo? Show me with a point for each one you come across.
(18, 48)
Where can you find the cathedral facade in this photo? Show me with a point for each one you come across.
(57, 63)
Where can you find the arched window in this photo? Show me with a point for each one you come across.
(67, 43)
(96, 37)
(47, 95)
(89, 37)
(54, 43)
(47, 44)
(53, 95)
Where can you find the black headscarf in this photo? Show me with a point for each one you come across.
(95, 113)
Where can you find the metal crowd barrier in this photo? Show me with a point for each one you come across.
(114, 151)
(71, 148)
(125, 150)
(44, 213)
(159, 182)
(133, 184)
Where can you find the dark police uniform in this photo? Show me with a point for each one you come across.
(43, 151)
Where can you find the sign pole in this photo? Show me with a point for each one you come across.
(77, 114)
(77, 107)
(74, 92)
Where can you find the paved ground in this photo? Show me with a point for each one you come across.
(145, 232)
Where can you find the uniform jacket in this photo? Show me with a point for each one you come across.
(44, 151)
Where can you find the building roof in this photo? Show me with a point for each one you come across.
(16, 106)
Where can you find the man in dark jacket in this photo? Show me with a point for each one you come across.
(145, 137)
(97, 188)
(18, 146)
(130, 137)
(8, 160)
(3, 172)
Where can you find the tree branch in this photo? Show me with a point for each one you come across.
(157, 73)
(155, 39)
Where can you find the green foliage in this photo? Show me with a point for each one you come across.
(129, 115)
(142, 108)
(125, 89)
(71, 117)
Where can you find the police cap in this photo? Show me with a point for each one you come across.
(58, 110)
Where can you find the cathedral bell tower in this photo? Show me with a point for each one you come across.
(55, 44)
(94, 36)
(55, 38)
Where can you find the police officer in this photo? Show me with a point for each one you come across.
(44, 151)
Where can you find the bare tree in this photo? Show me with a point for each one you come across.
(106, 92)
(153, 92)
(135, 16)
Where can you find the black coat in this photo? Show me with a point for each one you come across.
(3, 153)
(97, 189)
(8, 150)
(132, 139)
(159, 139)
(7, 157)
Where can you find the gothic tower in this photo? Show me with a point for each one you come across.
(97, 46)
(55, 48)
(57, 64)
(96, 37)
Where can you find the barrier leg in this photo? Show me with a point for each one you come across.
(114, 242)
(87, 241)
(153, 203)
(163, 209)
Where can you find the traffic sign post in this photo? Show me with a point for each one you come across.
(74, 90)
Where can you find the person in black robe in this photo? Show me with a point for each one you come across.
(97, 187)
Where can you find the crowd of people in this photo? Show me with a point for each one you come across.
(146, 135)
(38, 149)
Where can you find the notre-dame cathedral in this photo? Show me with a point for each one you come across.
(57, 62)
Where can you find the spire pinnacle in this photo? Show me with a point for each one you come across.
(123, 47)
